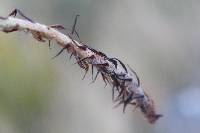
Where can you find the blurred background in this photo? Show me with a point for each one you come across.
(159, 39)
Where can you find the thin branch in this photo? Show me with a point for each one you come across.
(125, 83)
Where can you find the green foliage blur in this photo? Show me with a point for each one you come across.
(26, 81)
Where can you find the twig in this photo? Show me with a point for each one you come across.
(126, 84)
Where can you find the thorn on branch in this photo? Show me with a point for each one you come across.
(65, 47)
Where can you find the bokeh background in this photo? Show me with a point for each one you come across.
(158, 38)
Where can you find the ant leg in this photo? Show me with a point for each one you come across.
(98, 71)
(113, 93)
(104, 79)
(130, 98)
(59, 53)
(120, 93)
(83, 59)
(96, 76)
(73, 40)
(77, 35)
(49, 44)
(65, 47)
(74, 26)
(71, 55)
(58, 27)
(86, 70)
(116, 85)
(135, 75)
(122, 64)
(118, 104)
(15, 11)
(61, 27)
(115, 82)
(92, 71)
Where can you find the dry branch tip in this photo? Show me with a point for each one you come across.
(126, 88)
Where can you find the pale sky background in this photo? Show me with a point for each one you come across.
(159, 39)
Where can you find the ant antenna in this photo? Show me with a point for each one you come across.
(74, 26)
